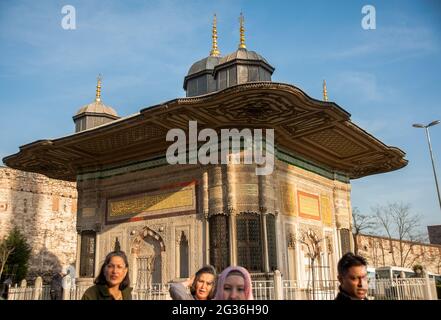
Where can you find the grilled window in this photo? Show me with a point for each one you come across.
(87, 256)
(345, 241)
(183, 256)
(219, 242)
(249, 249)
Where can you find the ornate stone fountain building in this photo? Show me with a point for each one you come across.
(173, 218)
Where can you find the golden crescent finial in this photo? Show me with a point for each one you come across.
(214, 50)
(98, 88)
(325, 91)
(242, 32)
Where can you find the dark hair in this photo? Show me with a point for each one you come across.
(101, 279)
(205, 269)
(350, 260)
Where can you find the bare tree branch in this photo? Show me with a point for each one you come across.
(360, 223)
(311, 241)
(396, 221)
(5, 252)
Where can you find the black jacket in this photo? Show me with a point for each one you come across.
(101, 292)
(343, 295)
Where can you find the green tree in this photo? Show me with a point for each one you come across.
(17, 262)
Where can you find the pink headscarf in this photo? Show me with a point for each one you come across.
(221, 280)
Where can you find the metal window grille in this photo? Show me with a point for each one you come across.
(345, 241)
(219, 242)
(87, 255)
(249, 249)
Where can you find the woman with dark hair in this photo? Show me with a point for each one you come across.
(113, 282)
(234, 284)
(202, 286)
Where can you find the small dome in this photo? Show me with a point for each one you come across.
(97, 107)
(243, 54)
(207, 63)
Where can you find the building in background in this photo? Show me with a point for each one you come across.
(383, 252)
(434, 234)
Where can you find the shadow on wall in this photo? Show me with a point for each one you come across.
(36, 212)
(45, 264)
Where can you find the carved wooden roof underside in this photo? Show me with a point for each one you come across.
(316, 130)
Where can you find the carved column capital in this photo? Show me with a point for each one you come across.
(231, 210)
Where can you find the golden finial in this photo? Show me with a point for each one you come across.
(325, 92)
(98, 88)
(214, 50)
(242, 33)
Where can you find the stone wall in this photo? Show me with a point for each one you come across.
(45, 212)
(380, 252)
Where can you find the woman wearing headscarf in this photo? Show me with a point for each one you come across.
(234, 283)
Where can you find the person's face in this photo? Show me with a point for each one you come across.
(355, 282)
(204, 285)
(234, 288)
(115, 271)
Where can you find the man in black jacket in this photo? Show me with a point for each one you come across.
(352, 275)
(56, 290)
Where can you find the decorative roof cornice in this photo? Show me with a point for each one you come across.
(313, 129)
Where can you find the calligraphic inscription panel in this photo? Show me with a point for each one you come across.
(288, 199)
(308, 205)
(326, 210)
(157, 202)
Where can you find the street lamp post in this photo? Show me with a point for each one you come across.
(417, 125)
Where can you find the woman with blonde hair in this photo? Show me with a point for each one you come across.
(202, 286)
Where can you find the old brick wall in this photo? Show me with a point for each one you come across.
(380, 252)
(44, 210)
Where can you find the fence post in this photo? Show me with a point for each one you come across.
(23, 285)
(38, 289)
(66, 284)
(278, 289)
(427, 291)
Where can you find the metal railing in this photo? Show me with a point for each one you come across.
(379, 289)
(405, 289)
(263, 290)
(307, 290)
(29, 293)
(157, 291)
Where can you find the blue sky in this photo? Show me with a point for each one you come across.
(387, 78)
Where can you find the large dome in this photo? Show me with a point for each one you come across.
(214, 73)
